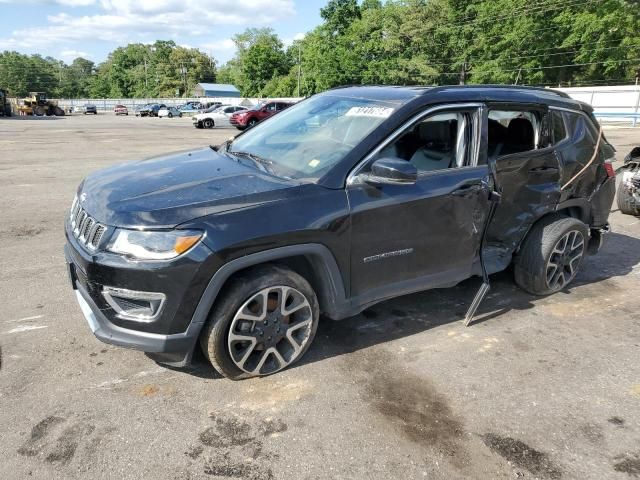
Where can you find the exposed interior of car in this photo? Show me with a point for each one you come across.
(511, 132)
(443, 140)
(440, 141)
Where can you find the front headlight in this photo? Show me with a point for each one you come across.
(143, 245)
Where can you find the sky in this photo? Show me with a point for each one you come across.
(66, 29)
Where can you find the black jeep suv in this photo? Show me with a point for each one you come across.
(348, 198)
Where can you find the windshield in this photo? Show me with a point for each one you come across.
(309, 138)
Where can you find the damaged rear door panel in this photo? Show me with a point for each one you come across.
(528, 173)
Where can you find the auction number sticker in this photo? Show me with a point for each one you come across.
(378, 112)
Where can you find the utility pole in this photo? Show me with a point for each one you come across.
(518, 77)
(183, 71)
(463, 73)
(146, 83)
(299, 66)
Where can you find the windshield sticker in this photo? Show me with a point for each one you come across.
(378, 112)
(314, 163)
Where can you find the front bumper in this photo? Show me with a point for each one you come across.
(169, 338)
(176, 349)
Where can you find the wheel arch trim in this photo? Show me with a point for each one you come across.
(333, 294)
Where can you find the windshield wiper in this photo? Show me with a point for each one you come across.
(260, 162)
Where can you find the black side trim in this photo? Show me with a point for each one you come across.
(332, 288)
(580, 205)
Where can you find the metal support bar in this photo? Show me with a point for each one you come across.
(482, 291)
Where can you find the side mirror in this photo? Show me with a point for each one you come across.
(392, 171)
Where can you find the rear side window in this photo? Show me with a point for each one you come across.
(558, 127)
(512, 131)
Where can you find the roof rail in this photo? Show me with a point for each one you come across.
(510, 87)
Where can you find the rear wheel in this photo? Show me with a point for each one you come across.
(207, 123)
(551, 255)
(264, 321)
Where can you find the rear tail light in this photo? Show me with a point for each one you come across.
(608, 166)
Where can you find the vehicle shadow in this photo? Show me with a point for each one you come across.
(419, 312)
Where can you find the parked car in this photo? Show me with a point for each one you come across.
(252, 116)
(191, 108)
(155, 108)
(143, 110)
(628, 198)
(89, 108)
(120, 110)
(397, 190)
(218, 117)
(169, 112)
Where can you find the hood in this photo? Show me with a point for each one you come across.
(166, 191)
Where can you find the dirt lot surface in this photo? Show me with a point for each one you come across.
(543, 388)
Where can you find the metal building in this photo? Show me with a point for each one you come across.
(215, 90)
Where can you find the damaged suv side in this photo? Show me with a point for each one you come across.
(346, 199)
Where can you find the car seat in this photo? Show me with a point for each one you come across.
(520, 137)
(435, 152)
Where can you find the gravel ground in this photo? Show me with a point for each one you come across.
(543, 388)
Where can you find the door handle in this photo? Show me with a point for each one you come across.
(467, 189)
(543, 169)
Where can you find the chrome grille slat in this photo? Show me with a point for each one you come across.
(98, 236)
(85, 229)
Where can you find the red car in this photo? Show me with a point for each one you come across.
(248, 118)
(120, 110)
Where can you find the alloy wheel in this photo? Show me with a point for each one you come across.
(564, 260)
(270, 330)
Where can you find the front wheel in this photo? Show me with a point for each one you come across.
(551, 255)
(264, 321)
(207, 123)
(252, 123)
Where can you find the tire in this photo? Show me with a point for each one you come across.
(626, 202)
(555, 241)
(207, 123)
(58, 112)
(247, 295)
(39, 111)
(170, 115)
(252, 123)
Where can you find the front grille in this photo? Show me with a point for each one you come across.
(84, 227)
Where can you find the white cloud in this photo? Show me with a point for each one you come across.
(289, 40)
(122, 21)
(70, 55)
(226, 46)
(67, 3)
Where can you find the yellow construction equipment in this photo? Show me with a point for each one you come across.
(37, 104)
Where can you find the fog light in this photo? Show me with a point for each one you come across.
(134, 305)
